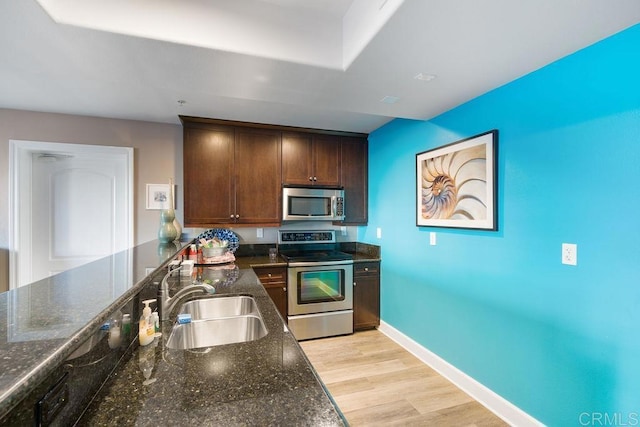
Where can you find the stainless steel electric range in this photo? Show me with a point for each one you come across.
(320, 283)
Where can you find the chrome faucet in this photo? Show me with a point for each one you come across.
(166, 304)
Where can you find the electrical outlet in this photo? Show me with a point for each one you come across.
(379, 233)
(432, 238)
(570, 253)
(343, 230)
(259, 233)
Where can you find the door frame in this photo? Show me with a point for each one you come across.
(20, 172)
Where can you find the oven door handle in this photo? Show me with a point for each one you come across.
(320, 263)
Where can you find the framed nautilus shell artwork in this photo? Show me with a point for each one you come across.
(456, 184)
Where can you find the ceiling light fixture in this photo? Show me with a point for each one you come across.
(424, 77)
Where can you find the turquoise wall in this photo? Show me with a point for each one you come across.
(560, 342)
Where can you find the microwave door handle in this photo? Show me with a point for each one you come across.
(334, 206)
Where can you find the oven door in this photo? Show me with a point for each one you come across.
(315, 288)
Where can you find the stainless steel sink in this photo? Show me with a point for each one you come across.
(212, 308)
(218, 321)
(213, 332)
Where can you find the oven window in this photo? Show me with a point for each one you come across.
(309, 206)
(320, 286)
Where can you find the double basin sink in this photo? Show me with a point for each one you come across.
(218, 321)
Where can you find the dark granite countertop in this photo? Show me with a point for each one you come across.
(41, 324)
(264, 382)
(256, 256)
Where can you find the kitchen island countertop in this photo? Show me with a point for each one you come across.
(268, 381)
(264, 382)
(41, 324)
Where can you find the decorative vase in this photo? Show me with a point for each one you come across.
(178, 227)
(167, 232)
(176, 223)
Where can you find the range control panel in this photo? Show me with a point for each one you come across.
(320, 236)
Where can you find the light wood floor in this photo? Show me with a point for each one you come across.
(374, 381)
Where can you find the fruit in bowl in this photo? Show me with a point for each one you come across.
(214, 247)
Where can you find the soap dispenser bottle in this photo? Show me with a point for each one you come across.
(146, 329)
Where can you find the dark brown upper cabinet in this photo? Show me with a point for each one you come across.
(208, 176)
(309, 159)
(257, 181)
(354, 179)
(231, 176)
(234, 171)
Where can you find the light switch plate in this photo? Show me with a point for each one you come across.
(379, 233)
(259, 233)
(432, 238)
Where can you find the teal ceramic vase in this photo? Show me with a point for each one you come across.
(167, 232)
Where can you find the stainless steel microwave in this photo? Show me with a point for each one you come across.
(312, 204)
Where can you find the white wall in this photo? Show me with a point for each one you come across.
(157, 157)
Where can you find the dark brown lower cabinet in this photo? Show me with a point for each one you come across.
(366, 295)
(274, 280)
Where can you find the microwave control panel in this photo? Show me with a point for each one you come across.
(339, 206)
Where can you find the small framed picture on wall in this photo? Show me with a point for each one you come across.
(158, 196)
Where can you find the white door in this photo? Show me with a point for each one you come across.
(74, 205)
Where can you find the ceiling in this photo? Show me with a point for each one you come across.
(329, 64)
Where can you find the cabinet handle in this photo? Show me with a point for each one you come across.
(354, 283)
(315, 178)
(366, 269)
(269, 275)
(237, 216)
(231, 216)
(284, 289)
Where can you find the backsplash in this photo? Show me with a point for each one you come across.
(249, 235)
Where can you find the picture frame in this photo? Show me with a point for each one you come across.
(456, 184)
(158, 196)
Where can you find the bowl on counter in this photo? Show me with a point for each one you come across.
(213, 252)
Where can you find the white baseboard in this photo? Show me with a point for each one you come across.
(504, 409)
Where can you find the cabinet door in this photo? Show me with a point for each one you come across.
(296, 159)
(274, 280)
(208, 176)
(310, 159)
(278, 295)
(354, 153)
(257, 177)
(366, 295)
(326, 160)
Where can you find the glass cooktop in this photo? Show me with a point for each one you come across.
(310, 246)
